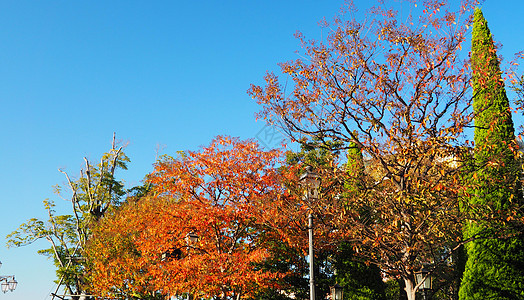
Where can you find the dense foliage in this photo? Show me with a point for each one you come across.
(213, 194)
(495, 267)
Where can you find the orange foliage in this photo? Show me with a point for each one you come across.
(116, 266)
(214, 193)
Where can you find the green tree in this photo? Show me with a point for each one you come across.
(91, 196)
(286, 260)
(360, 281)
(494, 267)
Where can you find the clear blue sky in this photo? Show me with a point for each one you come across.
(170, 73)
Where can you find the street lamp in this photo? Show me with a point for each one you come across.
(8, 282)
(8, 285)
(337, 292)
(191, 238)
(310, 181)
(176, 253)
(425, 277)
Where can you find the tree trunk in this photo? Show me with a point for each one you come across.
(410, 289)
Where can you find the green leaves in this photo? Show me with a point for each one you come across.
(91, 195)
(495, 182)
(27, 233)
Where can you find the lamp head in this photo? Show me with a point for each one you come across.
(425, 277)
(337, 292)
(309, 178)
(193, 237)
(12, 284)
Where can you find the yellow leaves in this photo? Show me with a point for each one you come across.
(493, 164)
(377, 241)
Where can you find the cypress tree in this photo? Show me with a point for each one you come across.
(494, 267)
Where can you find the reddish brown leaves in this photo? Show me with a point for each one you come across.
(397, 86)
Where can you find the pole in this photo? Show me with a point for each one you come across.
(311, 269)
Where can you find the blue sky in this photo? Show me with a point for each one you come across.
(168, 73)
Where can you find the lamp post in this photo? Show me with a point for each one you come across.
(176, 253)
(191, 238)
(310, 181)
(425, 277)
(8, 282)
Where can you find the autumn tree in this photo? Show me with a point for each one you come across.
(213, 194)
(394, 85)
(91, 195)
(495, 267)
(116, 267)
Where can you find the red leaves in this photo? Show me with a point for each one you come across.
(213, 193)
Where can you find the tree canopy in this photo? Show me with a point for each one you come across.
(396, 87)
(213, 194)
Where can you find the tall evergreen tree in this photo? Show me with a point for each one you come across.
(494, 267)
